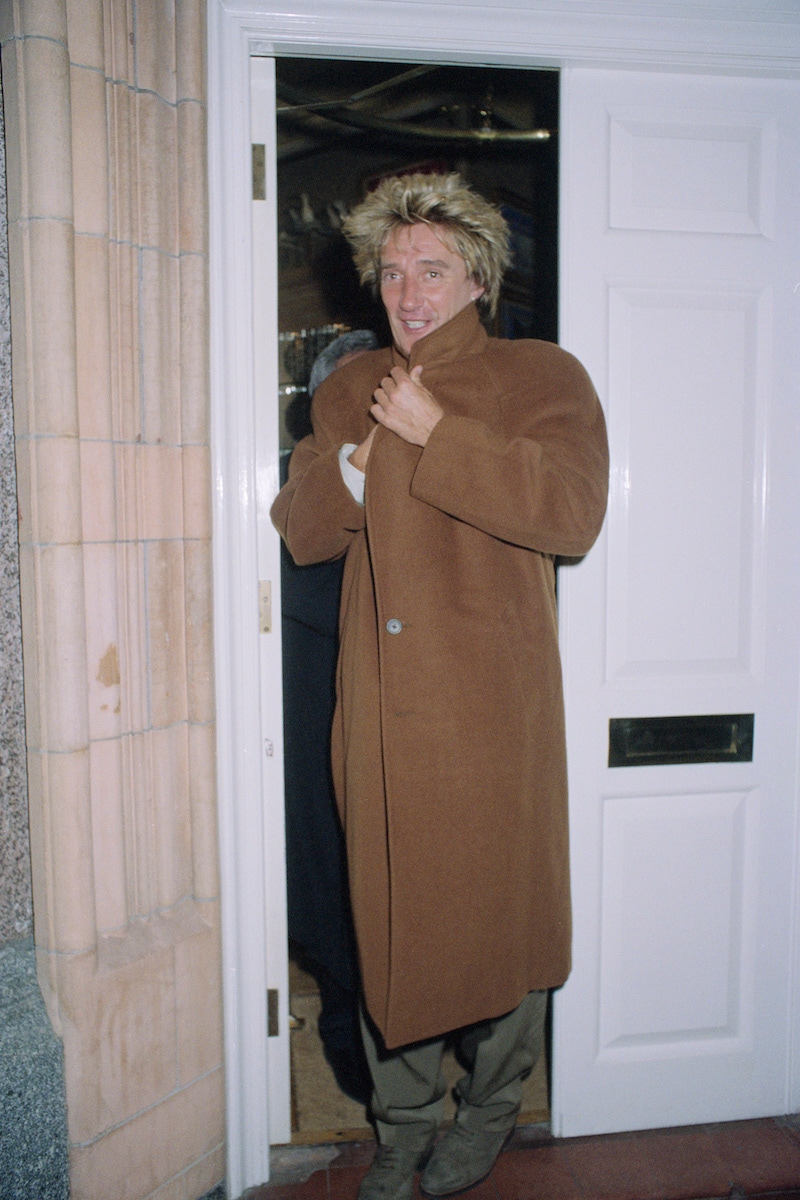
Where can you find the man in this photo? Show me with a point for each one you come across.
(450, 470)
(316, 877)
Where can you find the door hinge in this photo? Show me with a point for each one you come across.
(264, 606)
(272, 1012)
(259, 171)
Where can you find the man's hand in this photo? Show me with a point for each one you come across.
(361, 453)
(403, 405)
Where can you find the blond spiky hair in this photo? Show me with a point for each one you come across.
(476, 229)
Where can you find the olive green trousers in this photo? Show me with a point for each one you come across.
(409, 1087)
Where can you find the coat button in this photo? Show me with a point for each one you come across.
(394, 626)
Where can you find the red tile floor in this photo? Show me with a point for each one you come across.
(743, 1160)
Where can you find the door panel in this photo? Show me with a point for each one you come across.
(679, 263)
(687, 525)
(682, 864)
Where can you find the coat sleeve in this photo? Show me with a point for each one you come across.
(314, 512)
(536, 473)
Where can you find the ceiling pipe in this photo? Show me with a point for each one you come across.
(338, 114)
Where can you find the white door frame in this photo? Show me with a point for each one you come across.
(501, 33)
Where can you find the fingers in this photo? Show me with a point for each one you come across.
(405, 406)
(400, 374)
(398, 380)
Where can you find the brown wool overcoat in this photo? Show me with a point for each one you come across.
(448, 740)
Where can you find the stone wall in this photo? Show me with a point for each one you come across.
(107, 218)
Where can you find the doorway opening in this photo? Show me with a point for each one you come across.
(342, 124)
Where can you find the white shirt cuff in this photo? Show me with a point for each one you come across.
(353, 478)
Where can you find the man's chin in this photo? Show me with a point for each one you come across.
(410, 337)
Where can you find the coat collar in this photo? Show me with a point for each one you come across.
(463, 334)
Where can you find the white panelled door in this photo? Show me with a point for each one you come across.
(680, 268)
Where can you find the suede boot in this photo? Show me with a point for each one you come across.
(391, 1175)
(464, 1157)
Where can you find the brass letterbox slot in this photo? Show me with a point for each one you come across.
(661, 741)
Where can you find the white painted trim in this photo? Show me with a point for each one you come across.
(760, 37)
(793, 1016)
(239, 764)
(757, 38)
(566, 171)
(267, 457)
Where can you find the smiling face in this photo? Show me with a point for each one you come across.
(423, 283)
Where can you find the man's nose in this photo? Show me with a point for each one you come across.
(409, 293)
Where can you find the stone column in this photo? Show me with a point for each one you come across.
(105, 127)
(16, 912)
